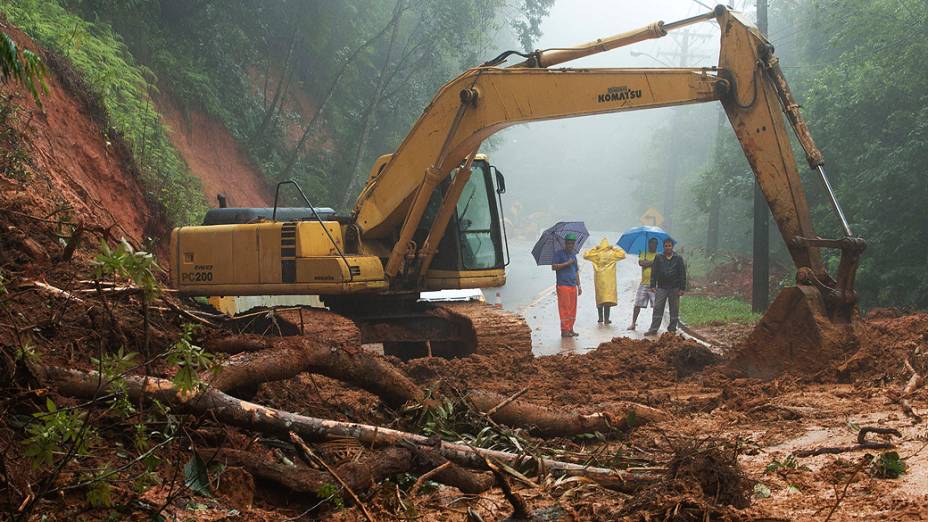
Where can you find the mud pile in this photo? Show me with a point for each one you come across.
(874, 350)
(622, 369)
(704, 481)
(885, 343)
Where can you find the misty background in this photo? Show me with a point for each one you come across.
(606, 169)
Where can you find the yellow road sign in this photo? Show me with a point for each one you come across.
(652, 217)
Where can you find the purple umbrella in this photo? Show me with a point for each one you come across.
(552, 240)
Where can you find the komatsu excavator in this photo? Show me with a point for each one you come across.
(428, 217)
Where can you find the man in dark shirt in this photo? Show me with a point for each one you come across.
(668, 280)
(568, 284)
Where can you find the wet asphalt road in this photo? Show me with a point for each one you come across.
(529, 291)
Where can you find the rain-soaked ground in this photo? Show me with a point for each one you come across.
(529, 291)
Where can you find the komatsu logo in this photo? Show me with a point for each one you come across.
(619, 94)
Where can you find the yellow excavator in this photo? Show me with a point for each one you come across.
(429, 216)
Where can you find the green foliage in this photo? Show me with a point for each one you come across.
(14, 159)
(331, 493)
(26, 352)
(53, 432)
(761, 490)
(788, 462)
(860, 79)
(888, 465)
(196, 476)
(190, 360)
(229, 58)
(866, 99)
(113, 368)
(100, 492)
(698, 264)
(23, 66)
(125, 88)
(698, 310)
(439, 419)
(129, 264)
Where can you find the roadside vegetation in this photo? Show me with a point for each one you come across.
(698, 310)
(125, 88)
(23, 66)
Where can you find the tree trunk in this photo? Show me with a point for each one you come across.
(360, 475)
(545, 422)
(712, 238)
(259, 360)
(227, 409)
(371, 109)
(291, 356)
(285, 75)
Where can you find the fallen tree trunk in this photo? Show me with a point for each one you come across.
(234, 344)
(260, 359)
(360, 475)
(288, 357)
(546, 422)
(228, 409)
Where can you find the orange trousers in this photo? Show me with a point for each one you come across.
(567, 306)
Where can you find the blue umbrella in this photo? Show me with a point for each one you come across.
(635, 240)
(552, 240)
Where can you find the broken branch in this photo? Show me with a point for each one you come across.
(862, 443)
(230, 410)
(291, 356)
(546, 422)
(309, 453)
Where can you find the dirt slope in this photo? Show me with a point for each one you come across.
(215, 157)
(81, 164)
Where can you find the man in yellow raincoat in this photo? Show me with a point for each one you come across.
(604, 256)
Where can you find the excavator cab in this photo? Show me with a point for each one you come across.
(473, 252)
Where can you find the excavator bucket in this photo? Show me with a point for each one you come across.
(796, 333)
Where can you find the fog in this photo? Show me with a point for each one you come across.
(596, 168)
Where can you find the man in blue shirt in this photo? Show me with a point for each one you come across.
(568, 284)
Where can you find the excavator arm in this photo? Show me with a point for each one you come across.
(484, 100)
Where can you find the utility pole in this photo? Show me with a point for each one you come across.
(760, 286)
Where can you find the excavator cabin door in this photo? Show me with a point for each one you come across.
(472, 252)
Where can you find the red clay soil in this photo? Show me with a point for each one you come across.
(620, 370)
(69, 149)
(884, 345)
(214, 157)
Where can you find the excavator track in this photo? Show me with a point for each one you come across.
(442, 330)
(496, 330)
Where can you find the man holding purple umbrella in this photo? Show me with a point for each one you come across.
(568, 284)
